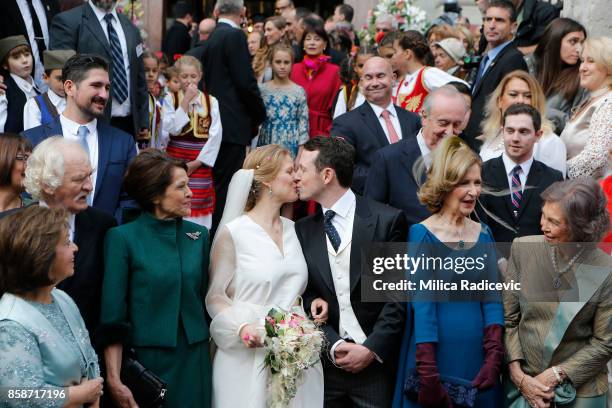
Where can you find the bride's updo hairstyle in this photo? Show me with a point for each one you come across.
(451, 161)
(266, 162)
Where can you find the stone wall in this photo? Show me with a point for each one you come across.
(595, 15)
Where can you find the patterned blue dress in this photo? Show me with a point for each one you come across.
(287, 121)
(21, 364)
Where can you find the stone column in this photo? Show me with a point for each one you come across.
(595, 15)
(153, 22)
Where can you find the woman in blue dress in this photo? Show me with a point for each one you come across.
(452, 348)
(286, 106)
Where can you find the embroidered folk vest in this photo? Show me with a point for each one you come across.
(413, 101)
(199, 122)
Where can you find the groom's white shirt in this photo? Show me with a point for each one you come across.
(340, 265)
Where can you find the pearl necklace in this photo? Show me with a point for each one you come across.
(557, 280)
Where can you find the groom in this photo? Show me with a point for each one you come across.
(363, 338)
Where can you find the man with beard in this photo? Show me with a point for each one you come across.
(87, 84)
(375, 124)
(97, 28)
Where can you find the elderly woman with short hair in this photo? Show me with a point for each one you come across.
(44, 345)
(156, 274)
(451, 342)
(14, 152)
(558, 335)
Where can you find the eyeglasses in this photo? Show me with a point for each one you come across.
(22, 157)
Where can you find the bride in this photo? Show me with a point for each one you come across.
(256, 264)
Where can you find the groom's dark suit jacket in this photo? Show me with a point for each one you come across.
(382, 323)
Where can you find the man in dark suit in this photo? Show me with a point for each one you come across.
(501, 58)
(177, 39)
(377, 122)
(362, 338)
(516, 213)
(229, 78)
(97, 28)
(110, 150)
(87, 226)
(30, 18)
(398, 170)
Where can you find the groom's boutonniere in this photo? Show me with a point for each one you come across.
(193, 235)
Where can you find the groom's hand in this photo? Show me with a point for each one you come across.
(353, 357)
(319, 310)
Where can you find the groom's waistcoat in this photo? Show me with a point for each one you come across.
(340, 265)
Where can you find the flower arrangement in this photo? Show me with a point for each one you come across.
(293, 344)
(404, 13)
(133, 9)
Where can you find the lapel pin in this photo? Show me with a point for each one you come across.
(193, 235)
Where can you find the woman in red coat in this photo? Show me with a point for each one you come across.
(319, 78)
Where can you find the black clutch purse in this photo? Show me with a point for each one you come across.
(460, 391)
(148, 389)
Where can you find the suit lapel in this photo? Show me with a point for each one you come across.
(404, 122)
(533, 179)
(364, 225)
(412, 153)
(369, 118)
(104, 148)
(82, 229)
(317, 248)
(93, 24)
(500, 180)
(490, 69)
(127, 30)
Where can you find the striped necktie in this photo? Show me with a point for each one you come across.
(119, 79)
(517, 190)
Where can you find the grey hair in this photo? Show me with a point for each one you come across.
(584, 205)
(446, 90)
(230, 7)
(46, 165)
(384, 17)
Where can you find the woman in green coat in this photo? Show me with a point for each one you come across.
(156, 272)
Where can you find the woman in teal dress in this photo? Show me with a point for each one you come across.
(156, 273)
(452, 348)
(286, 106)
(44, 345)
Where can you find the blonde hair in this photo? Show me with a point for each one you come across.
(451, 161)
(493, 114)
(266, 162)
(263, 54)
(188, 60)
(600, 49)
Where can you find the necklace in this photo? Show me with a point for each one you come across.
(557, 279)
(461, 242)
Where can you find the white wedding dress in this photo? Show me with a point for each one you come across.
(249, 274)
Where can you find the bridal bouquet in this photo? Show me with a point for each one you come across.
(293, 344)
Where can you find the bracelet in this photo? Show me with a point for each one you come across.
(557, 374)
(521, 382)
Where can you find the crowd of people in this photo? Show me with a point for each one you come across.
(155, 206)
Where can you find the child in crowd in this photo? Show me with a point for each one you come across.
(173, 84)
(286, 107)
(163, 66)
(192, 119)
(349, 97)
(17, 62)
(43, 108)
(156, 137)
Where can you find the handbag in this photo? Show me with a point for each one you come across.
(148, 389)
(460, 391)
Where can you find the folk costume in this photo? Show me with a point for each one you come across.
(349, 97)
(412, 90)
(156, 137)
(195, 135)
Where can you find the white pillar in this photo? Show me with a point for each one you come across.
(595, 15)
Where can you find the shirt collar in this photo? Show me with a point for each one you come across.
(228, 21)
(509, 164)
(343, 206)
(54, 98)
(101, 13)
(73, 127)
(22, 83)
(378, 110)
(492, 54)
(421, 142)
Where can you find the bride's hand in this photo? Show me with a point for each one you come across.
(319, 310)
(250, 337)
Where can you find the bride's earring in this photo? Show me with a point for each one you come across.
(270, 191)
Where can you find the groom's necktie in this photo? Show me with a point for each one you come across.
(330, 230)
